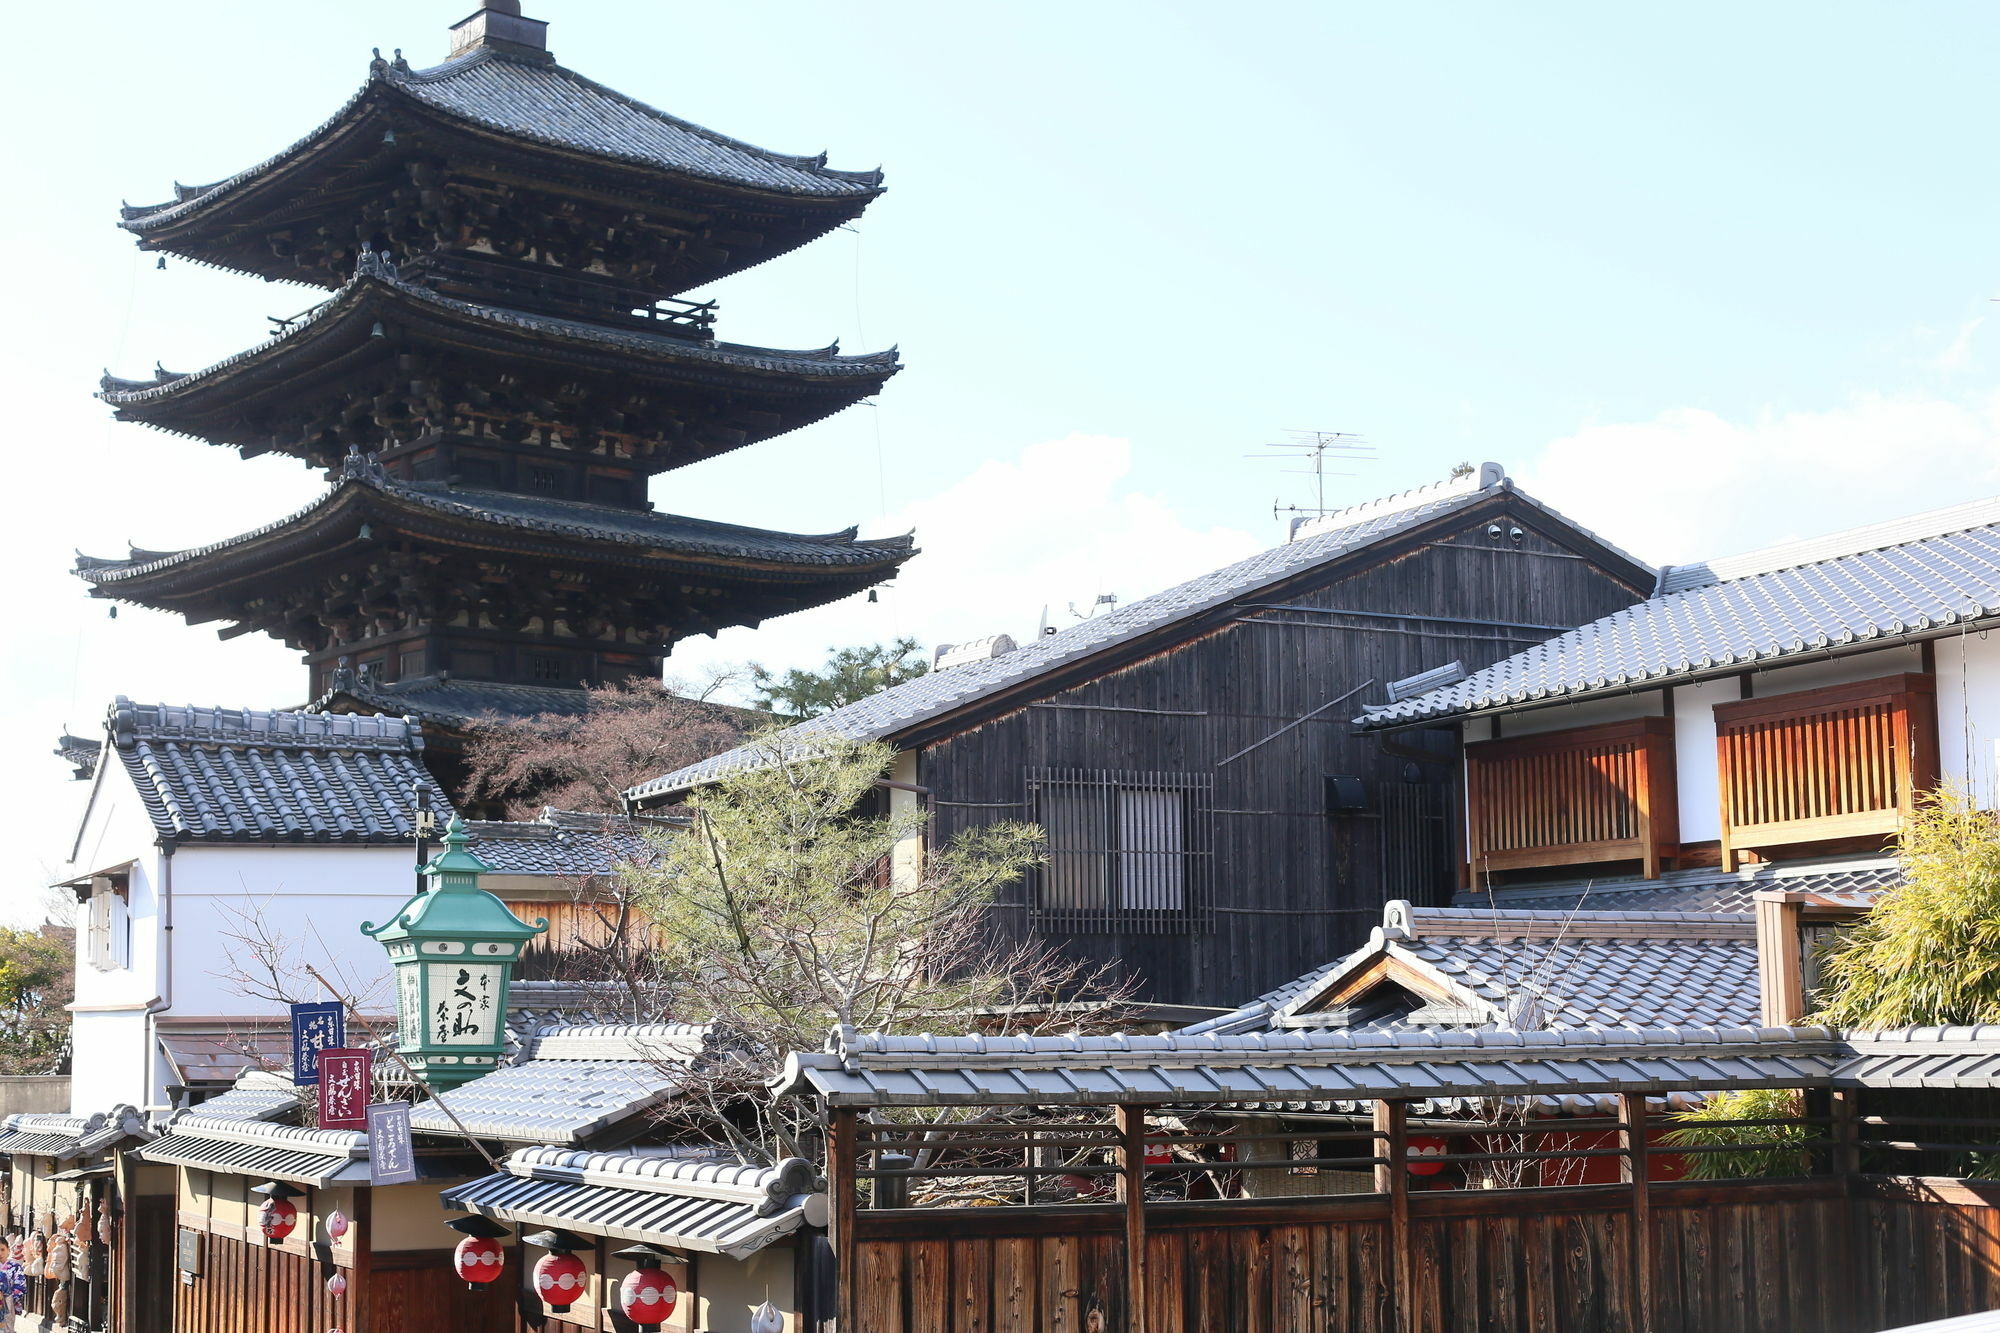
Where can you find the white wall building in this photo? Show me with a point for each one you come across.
(219, 843)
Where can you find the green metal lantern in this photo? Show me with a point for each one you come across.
(454, 947)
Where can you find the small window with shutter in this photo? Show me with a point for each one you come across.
(1127, 851)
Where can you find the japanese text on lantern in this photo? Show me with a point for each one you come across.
(462, 997)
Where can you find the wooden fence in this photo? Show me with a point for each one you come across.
(1835, 1252)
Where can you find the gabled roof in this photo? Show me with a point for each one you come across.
(245, 775)
(576, 1083)
(935, 695)
(685, 1204)
(539, 102)
(1467, 967)
(1858, 881)
(1921, 576)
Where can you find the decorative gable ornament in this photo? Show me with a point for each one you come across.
(453, 948)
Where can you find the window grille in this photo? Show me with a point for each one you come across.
(1127, 851)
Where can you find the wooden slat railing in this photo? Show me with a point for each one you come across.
(1843, 762)
(1602, 793)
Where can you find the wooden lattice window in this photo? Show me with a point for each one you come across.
(1589, 794)
(1842, 762)
(1127, 851)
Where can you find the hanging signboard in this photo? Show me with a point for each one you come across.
(392, 1158)
(315, 1028)
(344, 1084)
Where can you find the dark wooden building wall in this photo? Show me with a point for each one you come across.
(1291, 888)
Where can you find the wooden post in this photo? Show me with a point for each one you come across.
(1392, 1177)
(1131, 1122)
(842, 1186)
(1780, 959)
(1633, 1170)
(361, 1278)
(1844, 1104)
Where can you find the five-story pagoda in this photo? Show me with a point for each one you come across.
(501, 367)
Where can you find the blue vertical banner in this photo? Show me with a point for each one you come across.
(315, 1028)
(392, 1157)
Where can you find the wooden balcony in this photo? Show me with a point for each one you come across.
(1848, 761)
(1602, 793)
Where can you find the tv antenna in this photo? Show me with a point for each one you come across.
(1313, 446)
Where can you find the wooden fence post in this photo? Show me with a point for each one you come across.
(1131, 1121)
(841, 1185)
(1633, 1169)
(1392, 1177)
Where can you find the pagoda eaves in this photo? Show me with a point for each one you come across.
(441, 387)
(490, 585)
(502, 151)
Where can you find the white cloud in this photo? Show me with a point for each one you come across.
(1057, 525)
(1691, 485)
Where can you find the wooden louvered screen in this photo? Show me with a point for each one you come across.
(1602, 793)
(1843, 762)
(1128, 852)
(579, 935)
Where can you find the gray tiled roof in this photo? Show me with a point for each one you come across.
(544, 103)
(244, 775)
(1860, 880)
(567, 842)
(35, 1134)
(871, 1070)
(938, 693)
(1549, 970)
(258, 1096)
(576, 1082)
(370, 289)
(318, 1157)
(504, 511)
(81, 752)
(708, 1206)
(1928, 573)
(454, 703)
(1924, 1057)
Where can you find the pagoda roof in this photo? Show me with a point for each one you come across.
(443, 701)
(810, 568)
(534, 102)
(208, 403)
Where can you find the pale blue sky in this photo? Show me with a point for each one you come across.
(1703, 275)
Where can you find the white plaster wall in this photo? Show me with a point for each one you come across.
(1588, 713)
(111, 1063)
(1838, 670)
(1695, 779)
(309, 900)
(1968, 671)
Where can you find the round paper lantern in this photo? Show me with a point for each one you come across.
(1423, 1151)
(336, 1224)
(277, 1219)
(647, 1296)
(478, 1260)
(559, 1280)
(336, 1286)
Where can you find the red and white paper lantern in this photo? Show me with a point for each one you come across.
(647, 1296)
(479, 1260)
(559, 1279)
(277, 1219)
(1423, 1154)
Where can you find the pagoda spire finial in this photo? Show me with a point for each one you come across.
(498, 26)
